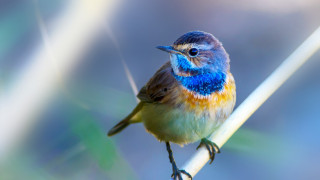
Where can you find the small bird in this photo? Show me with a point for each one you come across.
(189, 97)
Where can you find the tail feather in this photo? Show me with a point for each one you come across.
(125, 122)
(119, 127)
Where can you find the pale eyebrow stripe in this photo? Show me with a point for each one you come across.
(184, 46)
(203, 46)
(199, 46)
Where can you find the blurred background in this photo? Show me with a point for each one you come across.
(78, 95)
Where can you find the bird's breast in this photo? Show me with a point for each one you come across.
(185, 116)
(224, 98)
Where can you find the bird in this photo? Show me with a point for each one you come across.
(188, 98)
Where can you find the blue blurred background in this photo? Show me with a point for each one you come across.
(68, 139)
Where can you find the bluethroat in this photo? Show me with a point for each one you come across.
(188, 97)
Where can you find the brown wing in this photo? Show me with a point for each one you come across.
(159, 86)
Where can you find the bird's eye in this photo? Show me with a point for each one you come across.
(193, 52)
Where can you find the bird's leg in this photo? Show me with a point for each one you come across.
(176, 172)
(211, 147)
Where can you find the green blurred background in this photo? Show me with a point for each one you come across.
(68, 141)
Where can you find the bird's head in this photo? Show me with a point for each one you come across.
(197, 53)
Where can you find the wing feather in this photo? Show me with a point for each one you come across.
(159, 86)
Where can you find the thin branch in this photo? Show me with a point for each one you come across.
(255, 100)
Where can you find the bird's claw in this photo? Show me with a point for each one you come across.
(211, 147)
(177, 174)
(176, 171)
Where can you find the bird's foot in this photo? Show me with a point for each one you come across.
(177, 173)
(211, 147)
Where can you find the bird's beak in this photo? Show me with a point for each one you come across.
(168, 49)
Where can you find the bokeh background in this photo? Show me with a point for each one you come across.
(66, 138)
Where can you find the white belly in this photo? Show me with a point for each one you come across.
(178, 126)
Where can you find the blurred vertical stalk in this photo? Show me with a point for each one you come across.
(133, 85)
(52, 58)
(255, 100)
(71, 34)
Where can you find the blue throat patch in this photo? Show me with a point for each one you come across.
(204, 84)
(183, 63)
